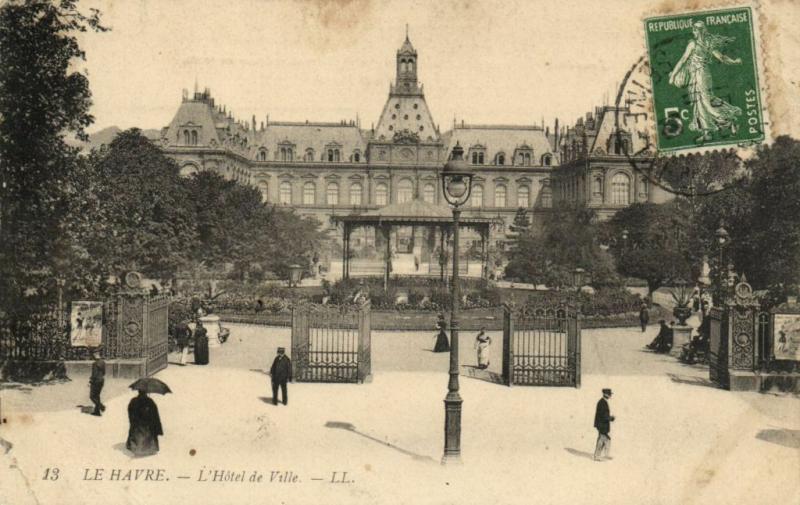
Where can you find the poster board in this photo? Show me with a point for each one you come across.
(86, 324)
(786, 336)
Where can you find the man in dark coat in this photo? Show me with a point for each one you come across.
(145, 425)
(663, 339)
(281, 373)
(644, 317)
(602, 422)
(96, 382)
(200, 344)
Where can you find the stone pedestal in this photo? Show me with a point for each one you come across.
(680, 335)
(211, 324)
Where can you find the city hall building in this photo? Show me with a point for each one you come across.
(325, 169)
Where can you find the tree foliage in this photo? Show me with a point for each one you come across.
(649, 242)
(567, 240)
(42, 101)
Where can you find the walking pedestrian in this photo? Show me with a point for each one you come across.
(602, 422)
(442, 344)
(280, 373)
(96, 382)
(482, 343)
(145, 425)
(200, 344)
(644, 317)
(182, 335)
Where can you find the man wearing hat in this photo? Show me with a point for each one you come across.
(281, 373)
(96, 382)
(602, 422)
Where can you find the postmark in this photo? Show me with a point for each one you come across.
(705, 79)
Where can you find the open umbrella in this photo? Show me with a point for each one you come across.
(150, 385)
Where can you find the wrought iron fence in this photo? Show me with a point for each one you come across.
(331, 345)
(542, 346)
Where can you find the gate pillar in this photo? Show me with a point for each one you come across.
(364, 344)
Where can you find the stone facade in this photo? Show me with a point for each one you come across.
(606, 162)
(326, 169)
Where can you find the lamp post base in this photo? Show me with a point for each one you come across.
(452, 428)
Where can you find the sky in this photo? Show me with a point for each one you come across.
(509, 62)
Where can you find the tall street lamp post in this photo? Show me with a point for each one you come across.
(456, 185)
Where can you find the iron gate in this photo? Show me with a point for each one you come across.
(542, 347)
(136, 328)
(331, 345)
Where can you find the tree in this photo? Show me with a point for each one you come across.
(567, 240)
(519, 226)
(656, 247)
(42, 101)
(142, 218)
(767, 249)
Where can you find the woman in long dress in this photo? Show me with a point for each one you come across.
(145, 426)
(442, 344)
(200, 344)
(482, 343)
(709, 112)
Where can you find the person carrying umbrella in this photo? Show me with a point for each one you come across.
(145, 423)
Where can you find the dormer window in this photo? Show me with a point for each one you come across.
(262, 155)
(547, 160)
(357, 156)
(309, 155)
(333, 155)
(477, 155)
(523, 157)
(500, 159)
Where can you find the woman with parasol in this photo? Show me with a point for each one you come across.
(145, 423)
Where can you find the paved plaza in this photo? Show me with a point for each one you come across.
(676, 440)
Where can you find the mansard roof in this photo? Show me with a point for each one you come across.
(348, 137)
(198, 114)
(500, 139)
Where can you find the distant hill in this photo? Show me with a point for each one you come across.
(106, 135)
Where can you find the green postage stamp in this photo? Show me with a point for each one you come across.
(705, 79)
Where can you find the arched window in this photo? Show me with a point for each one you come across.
(526, 159)
(547, 160)
(381, 194)
(332, 193)
(309, 193)
(429, 193)
(330, 154)
(499, 196)
(186, 137)
(262, 155)
(355, 193)
(405, 191)
(194, 137)
(356, 156)
(523, 196)
(309, 155)
(620, 189)
(597, 188)
(285, 196)
(476, 198)
(263, 186)
(500, 159)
